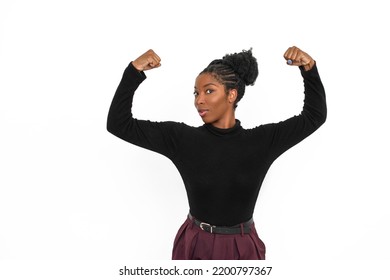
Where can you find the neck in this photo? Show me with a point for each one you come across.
(226, 122)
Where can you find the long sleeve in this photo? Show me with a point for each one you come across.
(285, 134)
(160, 137)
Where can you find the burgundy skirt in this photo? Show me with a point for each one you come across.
(192, 243)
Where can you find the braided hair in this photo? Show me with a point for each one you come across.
(234, 71)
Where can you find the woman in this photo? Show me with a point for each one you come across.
(221, 163)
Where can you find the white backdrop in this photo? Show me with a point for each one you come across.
(70, 190)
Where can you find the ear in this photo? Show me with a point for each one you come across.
(232, 96)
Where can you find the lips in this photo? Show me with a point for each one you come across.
(202, 112)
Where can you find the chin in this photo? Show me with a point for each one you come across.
(207, 121)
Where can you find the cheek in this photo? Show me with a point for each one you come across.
(219, 102)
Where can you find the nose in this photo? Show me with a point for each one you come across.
(200, 99)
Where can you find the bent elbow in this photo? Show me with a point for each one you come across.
(111, 126)
(322, 118)
(324, 115)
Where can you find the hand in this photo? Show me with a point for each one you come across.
(299, 58)
(147, 61)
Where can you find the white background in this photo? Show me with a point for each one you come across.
(69, 190)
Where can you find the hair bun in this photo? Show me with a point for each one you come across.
(244, 64)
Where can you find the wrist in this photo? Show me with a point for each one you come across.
(138, 67)
(310, 65)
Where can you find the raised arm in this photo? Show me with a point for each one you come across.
(156, 136)
(285, 134)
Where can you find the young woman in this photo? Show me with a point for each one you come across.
(221, 163)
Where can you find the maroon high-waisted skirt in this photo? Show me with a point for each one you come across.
(192, 243)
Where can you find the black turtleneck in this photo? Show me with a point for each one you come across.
(222, 169)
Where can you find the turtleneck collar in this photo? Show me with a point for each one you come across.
(224, 131)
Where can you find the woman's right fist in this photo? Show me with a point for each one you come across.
(147, 61)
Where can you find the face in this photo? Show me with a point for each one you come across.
(213, 104)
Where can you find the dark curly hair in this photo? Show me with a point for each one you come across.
(234, 71)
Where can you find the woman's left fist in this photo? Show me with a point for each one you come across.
(297, 57)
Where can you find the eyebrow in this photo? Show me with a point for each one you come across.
(209, 84)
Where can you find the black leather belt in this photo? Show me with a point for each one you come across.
(237, 229)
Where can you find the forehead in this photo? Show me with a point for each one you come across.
(206, 79)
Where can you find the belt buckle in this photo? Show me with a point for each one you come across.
(202, 224)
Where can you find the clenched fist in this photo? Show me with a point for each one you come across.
(299, 58)
(147, 61)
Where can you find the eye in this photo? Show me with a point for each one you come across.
(208, 91)
(196, 93)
